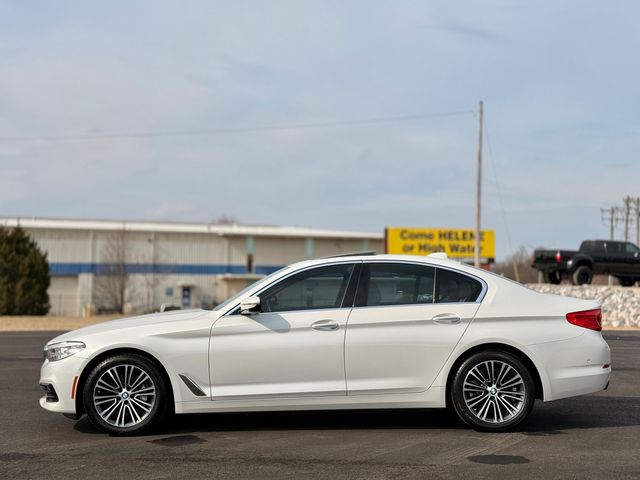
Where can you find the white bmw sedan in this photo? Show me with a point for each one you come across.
(339, 333)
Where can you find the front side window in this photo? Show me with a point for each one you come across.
(321, 287)
(395, 284)
(254, 285)
(454, 287)
(631, 248)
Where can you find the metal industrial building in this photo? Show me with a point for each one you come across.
(177, 264)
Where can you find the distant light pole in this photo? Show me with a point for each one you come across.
(476, 261)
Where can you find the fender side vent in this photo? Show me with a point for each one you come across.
(191, 385)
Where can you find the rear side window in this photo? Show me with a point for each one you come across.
(395, 284)
(615, 248)
(454, 287)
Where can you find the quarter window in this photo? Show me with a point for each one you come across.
(395, 284)
(453, 287)
(322, 287)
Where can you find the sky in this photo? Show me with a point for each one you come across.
(177, 111)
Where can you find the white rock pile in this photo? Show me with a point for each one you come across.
(620, 305)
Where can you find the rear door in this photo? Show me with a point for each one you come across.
(597, 250)
(405, 323)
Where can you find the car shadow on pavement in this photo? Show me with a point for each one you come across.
(546, 419)
(301, 420)
(590, 411)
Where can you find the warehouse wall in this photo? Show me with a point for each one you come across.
(161, 266)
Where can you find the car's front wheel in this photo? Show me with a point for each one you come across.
(493, 391)
(125, 395)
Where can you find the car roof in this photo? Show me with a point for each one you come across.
(427, 260)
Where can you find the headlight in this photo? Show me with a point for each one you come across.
(58, 351)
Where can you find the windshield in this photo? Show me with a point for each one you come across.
(235, 297)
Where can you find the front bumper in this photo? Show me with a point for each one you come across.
(61, 376)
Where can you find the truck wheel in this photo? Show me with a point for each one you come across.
(627, 282)
(553, 277)
(582, 276)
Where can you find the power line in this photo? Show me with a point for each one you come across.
(610, 217)
(219, 131)
(499, 192)
(476, 260)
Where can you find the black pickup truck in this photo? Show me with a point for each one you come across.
(619, 259)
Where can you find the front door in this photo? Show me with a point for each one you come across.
(618, 260)
(293, 347)
(186, 297)
(632, 254)
(407, 320)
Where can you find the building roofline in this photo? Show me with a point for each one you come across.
(179, 227)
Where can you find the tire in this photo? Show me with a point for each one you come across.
(126, 394)
(582, 276)
(553, 278)
(486, 407)
(627, 282)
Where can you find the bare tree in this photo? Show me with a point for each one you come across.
(519, 261)
(111, 282)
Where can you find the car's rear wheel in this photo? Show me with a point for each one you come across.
(493, 391)
(553, 277)
(125, 395)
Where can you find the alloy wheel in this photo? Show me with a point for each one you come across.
(494, 391)
(124, 395)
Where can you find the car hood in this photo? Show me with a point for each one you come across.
(131, 322)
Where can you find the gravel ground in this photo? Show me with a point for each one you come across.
(620, 305)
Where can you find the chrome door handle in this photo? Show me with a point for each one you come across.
(325, 325)
(447, 318)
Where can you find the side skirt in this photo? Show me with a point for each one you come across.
(432, 398)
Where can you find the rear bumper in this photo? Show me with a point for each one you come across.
(576, 366)
(572, 382)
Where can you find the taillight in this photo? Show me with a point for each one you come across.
(558, 257)
(591, 319)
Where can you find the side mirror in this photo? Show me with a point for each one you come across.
(250, 305)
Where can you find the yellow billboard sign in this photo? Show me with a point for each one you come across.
(455, 242)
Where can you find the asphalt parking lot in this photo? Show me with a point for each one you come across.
(595, 436)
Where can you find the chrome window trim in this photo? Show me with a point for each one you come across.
(480, 298)
(295, 272)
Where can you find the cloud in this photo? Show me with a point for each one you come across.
(472, 33)
(558, 102)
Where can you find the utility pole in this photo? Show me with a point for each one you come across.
(609, 215)
(627, 215)
(476, 261)
(637, 220)
(612, 222)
